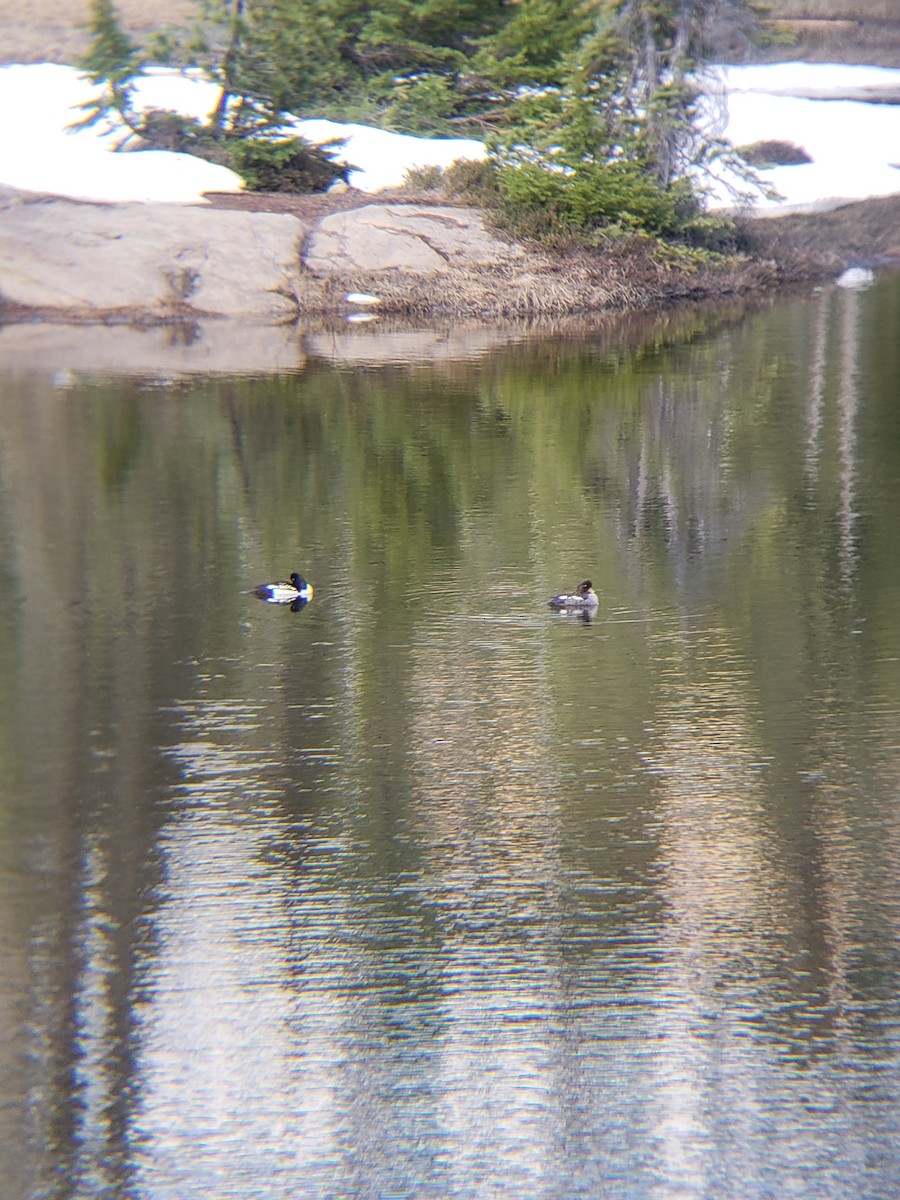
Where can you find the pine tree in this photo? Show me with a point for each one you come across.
(669, 40)
(112, 61)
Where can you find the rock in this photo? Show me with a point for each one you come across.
(146, 261)
(856, 278)
(417, 239)
(158, 258)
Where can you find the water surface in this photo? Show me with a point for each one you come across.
(425, 891)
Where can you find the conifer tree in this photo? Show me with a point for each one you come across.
(112, 61)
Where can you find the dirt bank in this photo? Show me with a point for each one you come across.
(54, 30)
(867, 232)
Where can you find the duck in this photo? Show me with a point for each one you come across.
(583, 597)
(282, 591)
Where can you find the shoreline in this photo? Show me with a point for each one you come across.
(491, 280)
(168, 353)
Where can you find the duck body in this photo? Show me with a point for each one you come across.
(283, 591)
(584, 597)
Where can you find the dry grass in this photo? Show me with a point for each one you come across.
(563, 291)
(53, 30)
(567, 285)
(835, 10)
(546, 288)
(631, 274)
(826, 242)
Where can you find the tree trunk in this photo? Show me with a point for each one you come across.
(229, 66)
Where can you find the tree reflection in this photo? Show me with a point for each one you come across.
(390, 893)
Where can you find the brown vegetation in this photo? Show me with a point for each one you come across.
(852, 31)
(845, 30)
(54, 30)
(630, 274)
(773, 153)
(868, 231)
(547, 287)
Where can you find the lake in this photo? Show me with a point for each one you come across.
(425, 891)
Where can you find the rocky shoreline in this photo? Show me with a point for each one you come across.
(276, 259)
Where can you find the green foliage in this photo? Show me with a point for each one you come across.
(271, 164)
(283, 56)
(575, 160)
(473, 180)
(163, 47)
(619, 195)
(404, 64)
(707, 234)
(406, 36)
(287, 164)
(532, 43)
(162, 129)
(238, 136)
(111, 54)
(588, 108)
(111, 60)
(425, 101)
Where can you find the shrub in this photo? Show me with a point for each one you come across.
(472, 180)
(287, 164)
(773, 153)
(614, 195)
(162, 129)
(420, 102)
(267, 164)
(424, 179)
